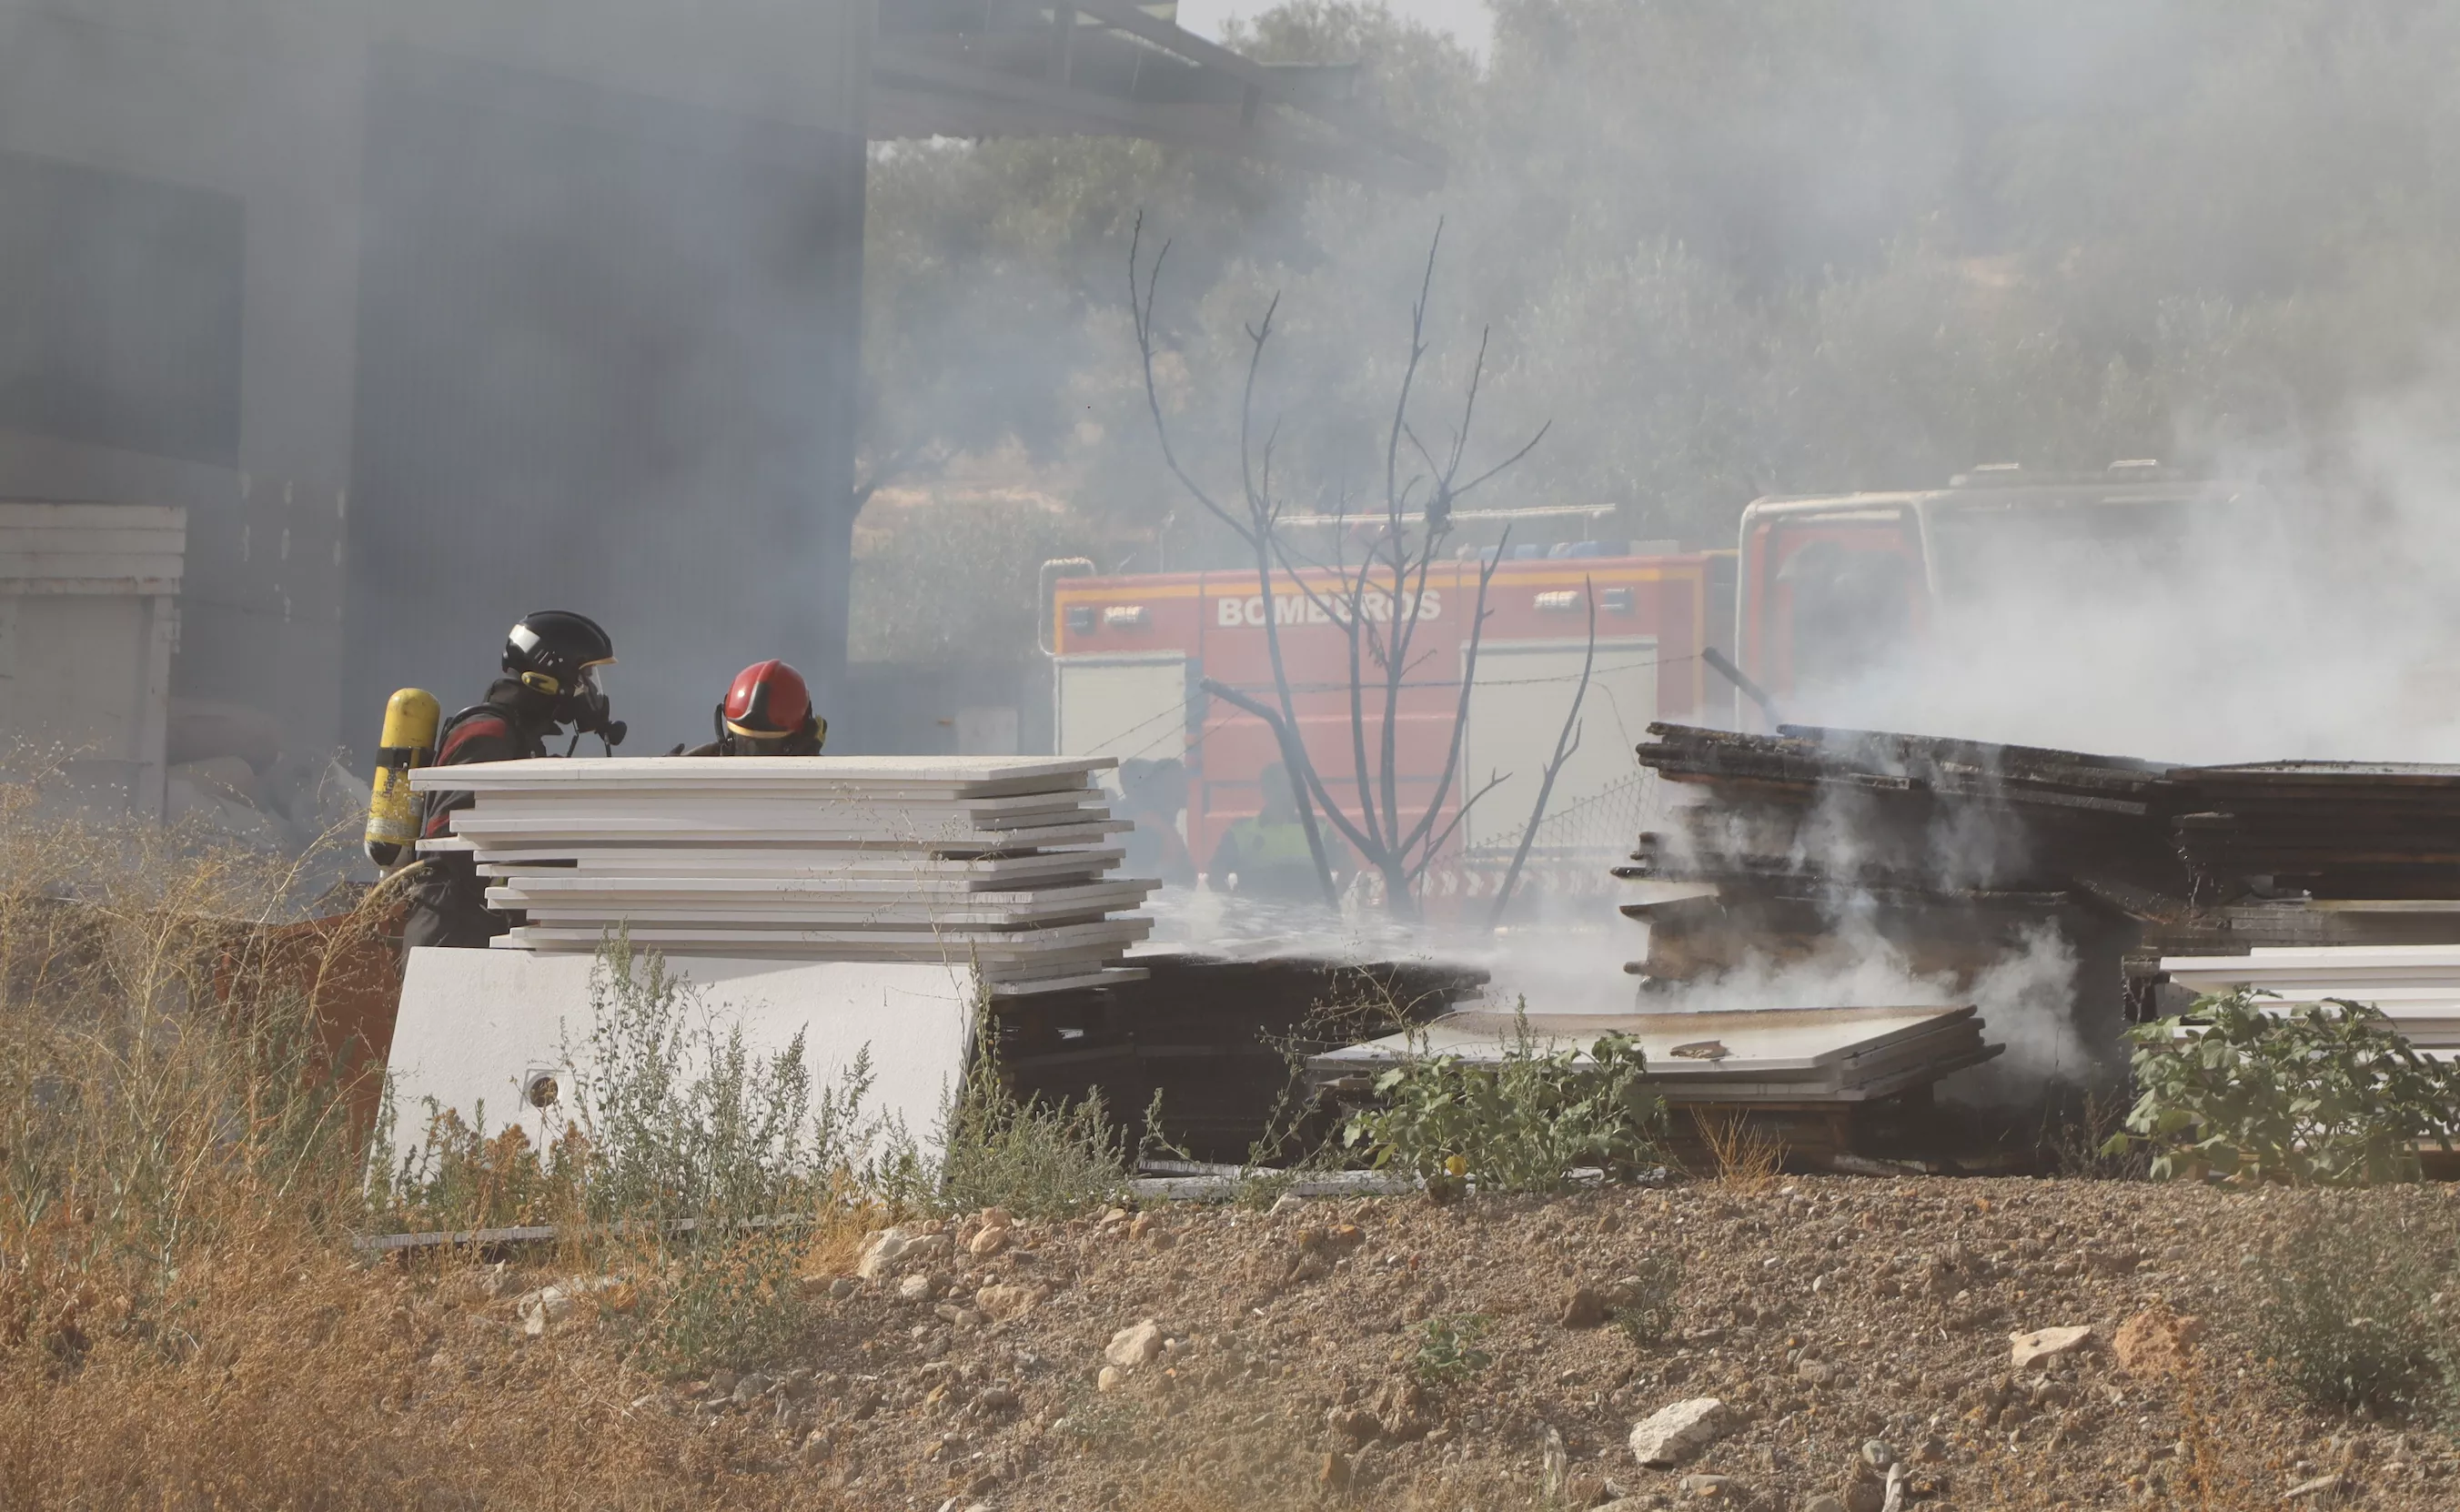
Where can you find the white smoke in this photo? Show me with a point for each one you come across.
(2318, 616)
(1569, 957)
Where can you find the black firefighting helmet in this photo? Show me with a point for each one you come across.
(556, 653)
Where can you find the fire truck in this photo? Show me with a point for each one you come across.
(1130, 652)
(1819, 590)
(1831, 586)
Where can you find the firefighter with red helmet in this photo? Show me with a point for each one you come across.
(552, 680)
(767, 711)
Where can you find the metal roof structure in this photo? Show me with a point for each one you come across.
(1114, 68)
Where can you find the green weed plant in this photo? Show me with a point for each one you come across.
(2325, 1094)
(1521, 1123)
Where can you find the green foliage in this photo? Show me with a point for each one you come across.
(2325, 1094)
(1448, 1351)
(956, 580)
(1035, 1158)
(1519, 1124)
(2349, 1311)
(1299, 1138)
(727, 1298)
(2198, 221)
(2082, 1133)
(1646, 1317)
(715, 1160)
(686, 1149)
(681, 1120)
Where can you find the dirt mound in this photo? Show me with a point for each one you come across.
(1857, 1339)
(1825, 1345)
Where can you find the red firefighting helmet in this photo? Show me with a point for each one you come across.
(768, 699)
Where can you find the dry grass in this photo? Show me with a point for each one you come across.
(293, 1377)
(185, 1100)
(185, 1326)
(1743, 1158)
(182, 1322)
(838, 1235)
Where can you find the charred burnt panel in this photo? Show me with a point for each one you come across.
(1217, 1039)
(1958, 855)
(2332, 829)
(607, 350)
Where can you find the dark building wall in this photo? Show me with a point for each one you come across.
(611, 336)
(178, 197)
(120, 310)
(607, 350)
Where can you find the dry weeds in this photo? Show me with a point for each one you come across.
(184, 1325)
(1743, 1159)
(182, 1322)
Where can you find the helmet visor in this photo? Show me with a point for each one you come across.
(591, 711)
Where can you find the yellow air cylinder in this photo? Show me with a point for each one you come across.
(411, 719)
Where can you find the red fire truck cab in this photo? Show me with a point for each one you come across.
(1831, 586)
(1131, 652)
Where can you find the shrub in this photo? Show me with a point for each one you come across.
(1448, 1350)
(1521, 1123)
(162, 1079)
(2347, 1310)
(2082, 1137)
(2323, 1094)
(1645, 1313)
(681, 1120)
(1743, 1157)
(462, 1176)
(729, 1297)
(703, 1160)
(676, 1119)
(1035, 1158)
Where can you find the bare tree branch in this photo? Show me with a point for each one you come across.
(1140, 306)
(1258, 335)
(1565, 744)
(1255, 531)
(1409, 376)
(1376, 605)
(1294, 760)
(1443, 837)
(1484, 478)
(1469, 681)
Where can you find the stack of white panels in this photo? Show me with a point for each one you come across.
(997, 863)
(2416, 985)
(1737, 1055)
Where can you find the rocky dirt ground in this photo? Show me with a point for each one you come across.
(1391, 1352)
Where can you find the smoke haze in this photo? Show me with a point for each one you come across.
(598, 350)
(1735, 251)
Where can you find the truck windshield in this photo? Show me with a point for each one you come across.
(1982, 550)
(1852, 606)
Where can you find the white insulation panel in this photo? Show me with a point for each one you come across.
(477, 1028)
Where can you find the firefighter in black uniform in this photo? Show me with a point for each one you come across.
(551, 661)
(767, 711)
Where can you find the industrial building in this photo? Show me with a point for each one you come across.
(429, 313)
